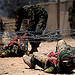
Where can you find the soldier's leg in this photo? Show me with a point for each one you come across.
(34, 43)
(34, 47)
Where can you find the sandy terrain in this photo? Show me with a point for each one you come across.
(16, 66)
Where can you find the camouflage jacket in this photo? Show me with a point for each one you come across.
(15, 49)
(37, 18)
(65, 62)
(71, 13)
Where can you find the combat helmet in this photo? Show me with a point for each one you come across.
(19, 10)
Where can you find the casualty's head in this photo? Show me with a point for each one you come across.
(19, 11)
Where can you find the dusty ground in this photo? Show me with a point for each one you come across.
(16, 66)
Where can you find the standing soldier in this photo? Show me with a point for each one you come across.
(37, 17)
(72, 18)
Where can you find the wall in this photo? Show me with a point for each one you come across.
(51, 8)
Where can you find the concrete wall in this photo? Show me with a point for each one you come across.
(51, 8)
(52, 17)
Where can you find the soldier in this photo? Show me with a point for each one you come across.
(72, 19)
(62, 61)
(37, 17)
(70, 16)
(14, 48)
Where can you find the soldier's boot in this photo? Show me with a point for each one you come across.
(28, 60)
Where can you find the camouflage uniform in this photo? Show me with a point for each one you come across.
(15, 48)
(66, 57)
(65, 61)
(37, 21)
(9, 50)
(72, 19)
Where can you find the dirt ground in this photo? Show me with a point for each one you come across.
(16, 66)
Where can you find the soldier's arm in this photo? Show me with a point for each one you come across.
(42, 21)
(18, 23)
